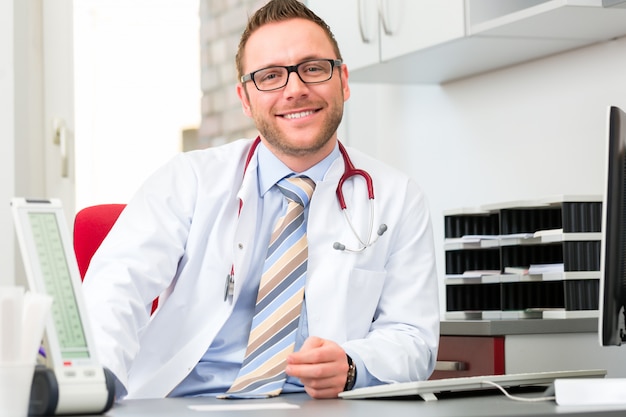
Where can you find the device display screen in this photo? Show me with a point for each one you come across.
(58, 284)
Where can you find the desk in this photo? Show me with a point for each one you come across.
(532, 345)
(481, 406)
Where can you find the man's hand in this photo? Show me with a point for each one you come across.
(321, 365)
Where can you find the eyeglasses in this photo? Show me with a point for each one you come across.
(310, 72)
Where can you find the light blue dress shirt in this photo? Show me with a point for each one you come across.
(219, 366)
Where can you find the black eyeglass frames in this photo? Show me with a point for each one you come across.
(310, 72)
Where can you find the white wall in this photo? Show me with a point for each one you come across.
(532, 130)
(21, 163)
(6, 143)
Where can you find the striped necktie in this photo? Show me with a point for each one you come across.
(279, 300)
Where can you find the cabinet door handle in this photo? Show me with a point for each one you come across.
(366, 16)
(60, 139)
(390, 13)
(450, 366)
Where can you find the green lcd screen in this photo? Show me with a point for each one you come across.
(58, 284)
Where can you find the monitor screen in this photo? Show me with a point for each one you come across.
(613, 250)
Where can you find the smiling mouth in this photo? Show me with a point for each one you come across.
(298, 115)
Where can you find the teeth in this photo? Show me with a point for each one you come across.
(298, 115)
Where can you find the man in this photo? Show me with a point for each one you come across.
(196, 235)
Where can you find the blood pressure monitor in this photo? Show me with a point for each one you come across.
(72, 381)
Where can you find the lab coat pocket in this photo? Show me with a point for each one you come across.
(362, 299)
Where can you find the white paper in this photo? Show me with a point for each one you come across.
(36, 310)
(234, 406)
(11, 306)
(545, 269)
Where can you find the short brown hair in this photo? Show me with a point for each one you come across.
(278, 11)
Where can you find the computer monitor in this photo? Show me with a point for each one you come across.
(612, 330)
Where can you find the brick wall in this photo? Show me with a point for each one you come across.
(221, 24)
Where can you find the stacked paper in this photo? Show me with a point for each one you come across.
(22, 321)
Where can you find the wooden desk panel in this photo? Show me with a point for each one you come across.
(469, 356)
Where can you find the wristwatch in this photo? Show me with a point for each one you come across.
(351, 378)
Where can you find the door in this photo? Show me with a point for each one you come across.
(58, 104)
(121, 82)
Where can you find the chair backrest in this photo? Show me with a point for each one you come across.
(91, 225)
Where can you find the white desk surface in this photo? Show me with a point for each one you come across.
(479, 406)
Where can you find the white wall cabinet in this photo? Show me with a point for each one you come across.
(354, 24)
(407, 26)
(435, 41)
(370, 32)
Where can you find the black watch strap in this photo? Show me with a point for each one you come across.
(351, 378)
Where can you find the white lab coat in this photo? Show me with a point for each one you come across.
(180, 234)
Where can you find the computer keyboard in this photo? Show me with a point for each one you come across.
(428, 390)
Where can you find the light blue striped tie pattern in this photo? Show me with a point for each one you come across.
(279, 300)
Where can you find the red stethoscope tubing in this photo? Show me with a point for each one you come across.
(348, 172)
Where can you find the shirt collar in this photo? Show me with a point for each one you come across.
(270, 169)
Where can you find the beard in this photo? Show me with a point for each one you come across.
(291, 146)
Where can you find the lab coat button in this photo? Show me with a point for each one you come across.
(240, 245)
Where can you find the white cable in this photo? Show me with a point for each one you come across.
(516, 398)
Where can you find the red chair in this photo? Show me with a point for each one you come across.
(91, 225)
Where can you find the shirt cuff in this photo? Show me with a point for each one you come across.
(363, 377)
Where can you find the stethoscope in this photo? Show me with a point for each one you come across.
(349, 171)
